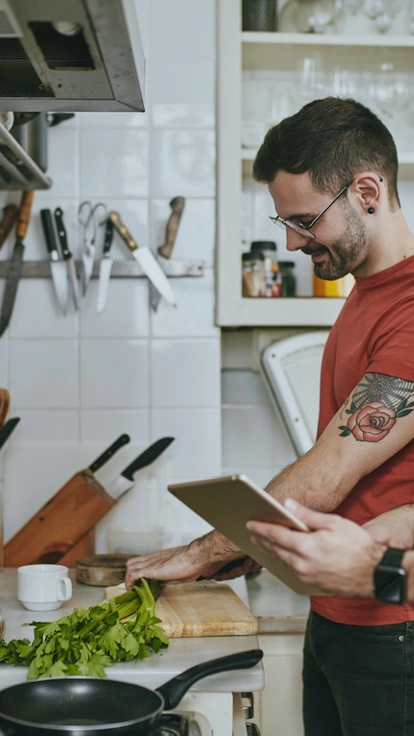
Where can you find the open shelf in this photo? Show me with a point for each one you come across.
(322, 39)
(293, 312)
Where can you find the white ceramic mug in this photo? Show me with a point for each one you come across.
(43, 587)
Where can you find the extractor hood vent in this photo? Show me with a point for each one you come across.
(82, 55)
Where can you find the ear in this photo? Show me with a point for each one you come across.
(368, 189)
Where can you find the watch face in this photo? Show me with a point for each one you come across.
(390, 584)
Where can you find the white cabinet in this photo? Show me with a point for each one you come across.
(250, 55)
(278, 708)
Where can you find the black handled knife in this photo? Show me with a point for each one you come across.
(102, 459)
(105, 267)
(67, 256)
(57, 267)
(7, 429)
(125, 481)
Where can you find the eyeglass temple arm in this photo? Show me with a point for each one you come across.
(329, 205)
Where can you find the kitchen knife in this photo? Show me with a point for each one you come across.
(7, 429)
(102, 459)
(67, 257)
(10, 213)
(145, 259)
(177, 207)
(125, 481)
(57, 267)
(106, 266)
(16, 262)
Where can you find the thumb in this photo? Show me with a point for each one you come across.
(312, 519)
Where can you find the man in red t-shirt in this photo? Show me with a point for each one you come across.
(332, 170)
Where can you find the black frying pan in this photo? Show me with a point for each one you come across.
(90, 706)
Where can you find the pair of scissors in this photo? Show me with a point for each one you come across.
(90, 217)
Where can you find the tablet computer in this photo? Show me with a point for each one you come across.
(228, 503)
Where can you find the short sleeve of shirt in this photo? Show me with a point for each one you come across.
(391, 348)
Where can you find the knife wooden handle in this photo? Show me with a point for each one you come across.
(10, 213)
(119, 226)
(177, 206)
(24, 214)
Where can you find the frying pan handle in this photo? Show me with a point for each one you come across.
(173, 690)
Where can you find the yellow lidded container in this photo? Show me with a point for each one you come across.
(338, 288)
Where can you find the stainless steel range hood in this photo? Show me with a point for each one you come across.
(71, 55)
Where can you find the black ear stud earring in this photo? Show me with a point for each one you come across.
(371, 210)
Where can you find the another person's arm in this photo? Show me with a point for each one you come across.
(363, 435)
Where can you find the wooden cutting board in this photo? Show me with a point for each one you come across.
(200, 609)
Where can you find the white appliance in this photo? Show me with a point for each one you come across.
(291, 369)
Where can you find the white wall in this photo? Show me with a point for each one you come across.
(79, 381)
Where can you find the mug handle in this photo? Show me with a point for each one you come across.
(64, 589)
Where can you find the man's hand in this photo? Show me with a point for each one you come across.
(395, 528)
(204, 557)
(336, 556)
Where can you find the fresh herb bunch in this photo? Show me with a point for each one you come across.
(91, 639)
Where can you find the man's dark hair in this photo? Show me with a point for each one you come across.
(333, 139)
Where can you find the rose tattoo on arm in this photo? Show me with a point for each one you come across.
(375, 405)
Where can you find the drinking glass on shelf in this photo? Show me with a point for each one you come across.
(352, 6)
(373, 8)
(385, 19)
(308, 16)
(311, 83)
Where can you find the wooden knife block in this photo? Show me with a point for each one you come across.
(60, 531)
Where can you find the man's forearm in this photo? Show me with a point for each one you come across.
(315, 480)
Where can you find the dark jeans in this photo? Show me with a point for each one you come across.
(358, 680)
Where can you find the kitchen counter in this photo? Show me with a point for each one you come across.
(277, 608)
(151, 672)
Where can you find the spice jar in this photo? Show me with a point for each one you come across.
(273, 277)
(253, 277)
(288, 278)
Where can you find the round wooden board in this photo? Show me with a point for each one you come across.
(101, 569)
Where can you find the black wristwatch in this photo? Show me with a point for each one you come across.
(390, 578)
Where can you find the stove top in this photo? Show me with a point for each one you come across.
(180, 724)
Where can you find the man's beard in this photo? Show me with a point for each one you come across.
(345, 253)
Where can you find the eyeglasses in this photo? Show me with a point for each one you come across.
(301, 228)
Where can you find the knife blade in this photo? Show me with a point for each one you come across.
(7, 429)
(105, 267)
(67, 257)
(10, 213)
(57, 267)
(146, 260)
(102, 459)
(125, 481)
(16, 261)
(177, 207)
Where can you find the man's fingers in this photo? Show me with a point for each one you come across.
(312, 519)
(276, 534)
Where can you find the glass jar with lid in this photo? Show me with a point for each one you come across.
(253, 276)
(273, 278)
(288, 278)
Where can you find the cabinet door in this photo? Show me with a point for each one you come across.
(278, 708)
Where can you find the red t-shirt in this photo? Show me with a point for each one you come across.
(374, 333)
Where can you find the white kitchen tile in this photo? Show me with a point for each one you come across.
(4, 357)
(142, 9)
(126, 312)
(44, 374)
(183, 162)
(197, 449)
(63, 163)
(254, 437)
(194, 315)
(183, 521)
(197, 230)
(46, 426)
(114, 374)
(33, 474)
(34, 241)
(244, 387)
(183, 94)
(184, 29)
(114, 162)
(36, 313)
(113, 119)
(105, 425)
(185, 373)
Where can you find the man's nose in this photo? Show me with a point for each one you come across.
(294, 241)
